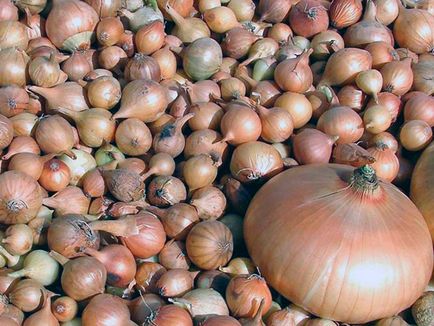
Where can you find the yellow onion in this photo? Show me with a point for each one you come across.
(297, 105)
(415, 135)
(14, 67)
(370, 82)
(387, 11)
(46, 72)
(386, 163)
(397, 77)
(344, 13)
(294, 75)
(104, 92)
(220, 19)
(13, 34)
(70, 24)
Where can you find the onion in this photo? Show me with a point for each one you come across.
(220, 320)
(160, 164)
(244, 10)
(108, 156)
(204, 5)
(145, 100)
(118, 261)
(210, 202)
(106, 309)
(170, 315)
(177, 219)
(386, 163)
(13, 100)
(389, 101)
(344, 65)
(273, 11)
(255, 161)
(26, 295)
(183, 7)
(142, 67)
(6, 132)
(280, 32)
(245, 293)
(93, 184)
(8, 11)
(174, 255)
(69, 95)
(150, 239)
(19, 196)
(207, 115)
(370, 82)
(240, 124)
(70, 200)
(124, 185)
(64, 308)
(13, 34)
(18, 239)
(79, 166)
(313, 146)
(199, 171)
(387, 11)
(239, 266)
(220, 19)
(415, 135)
(420, 24)
(133, 137)
(420, 107)
(39, 266)
(109, 31)
(202, 58)
(343, 122)
(150, 38)
(68, 234)
(29, 163)
(377, 119)
(76, 66)
(39, 226)
(105, 8)
(187, 29)
(200, 302)
(147, 276)
(113, 58)
(381, 53)
(298, 107)
(386, 139)
(295, 70)
(290, 314)
(143, 307)
(23, 124)
(171, 139)
(352, 96)
(232, 88)
(45, 72)
(22, 144)
(141, 16)
(67, 31)
(362, 191)
(344, 13)
(209, 244)
(326, 43)
(397, 77)
(262, 48)
(104, 92)
(166, 61)
(423, 78)
(14, 67)
(175, 283)
(368, 30)
(308, 17)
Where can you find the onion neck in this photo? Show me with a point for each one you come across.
(124, 227)
(62, 260)
(371, 11)
(364, 180)
(176, 17)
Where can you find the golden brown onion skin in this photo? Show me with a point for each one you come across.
(301, 212)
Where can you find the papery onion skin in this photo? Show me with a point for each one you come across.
(106, 309)
(397, 77)
(312, 146)
(273, 11)
(420, 107)
(293, 192)
(386, 163)
(202, 58)
(344, 13)
(415, 135)
(308, 17)
(6, 132)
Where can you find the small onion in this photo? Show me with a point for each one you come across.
(210, 202)
(147, 275)
(199, 171)
(370, 82)
(175, 283)
(207, 115)
(389, 101)
(313, 146)
(77, 66)
(377, 119)
(386, 163)
(104, 92)
(384, 138)
(381, 53)
(150, 38)
(308, 17)
(109, 31)
(397, 77)
(423, 308)
(344, 13)
(133, 137)
(106, 309)
(415, 135)
(298, 106)
(174, 255)
(170, 315)
(420, 107)
(273, 11)
(220, 19)
(352, 96)
(240, 124)
(64, 308)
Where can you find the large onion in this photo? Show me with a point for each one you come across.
(300, 213)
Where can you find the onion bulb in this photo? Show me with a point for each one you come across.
(415, 135)
(294, 75)
(370, 82)
(313, 146)
(297, 105)
(377, 119)
(344, 13)
(397, 77)
(308, 17)
(199, 171)
(386, 163)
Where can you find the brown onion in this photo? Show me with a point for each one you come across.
(344, 13)
(68, 234)
(377, 119)
(76, 66)
(150, 38)
(387, 11)
(313, 146)
(22, 144)
(14, 67)
(381, 53)
(343, 122)
(147, 275)
(174, 255)
(113, 58)
(294, 75)
(220, 19)
(384, 138)
(255, 160)
(308, 17)
(273, 11)
(386, 163)
(415, 135)
(19, 197)
(177, 219)
(106, 309)
(352, 96)
(124, 185)
(199, 171)
(207, 115)
(368, 30)
(70, 24)
(344, 65)
(160, 164)
(23, 124)
(175, 283)
(397, 77)
(64, 308)
(145, 100)
(420, 107)
(245, 293)
(209, 244)
(210, 202)
(104, 92)
(133, 137)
